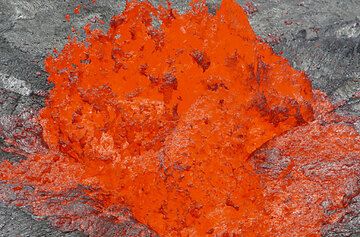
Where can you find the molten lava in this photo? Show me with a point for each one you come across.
(163, 120)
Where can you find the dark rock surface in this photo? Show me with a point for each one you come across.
(321, 37)
(16, 222)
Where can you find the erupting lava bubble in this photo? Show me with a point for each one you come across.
(163, 120)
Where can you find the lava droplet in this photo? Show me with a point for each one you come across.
(195, 125)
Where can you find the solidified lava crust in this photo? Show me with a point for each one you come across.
(195, 126)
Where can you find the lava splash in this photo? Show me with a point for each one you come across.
(193, 124)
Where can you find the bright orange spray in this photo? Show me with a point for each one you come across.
(163, 120)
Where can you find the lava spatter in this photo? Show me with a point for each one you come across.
(164, 120)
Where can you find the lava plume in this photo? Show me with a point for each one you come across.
(195, 125)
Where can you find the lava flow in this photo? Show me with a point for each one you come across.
(194, 125)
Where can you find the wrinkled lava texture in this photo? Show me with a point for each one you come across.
(194, 126)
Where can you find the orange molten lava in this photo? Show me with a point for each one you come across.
(163, 120)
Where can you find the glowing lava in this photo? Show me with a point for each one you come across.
(163, 120)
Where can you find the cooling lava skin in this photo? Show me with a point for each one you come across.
(176, 121)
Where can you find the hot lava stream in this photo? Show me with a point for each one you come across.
(195, 126)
